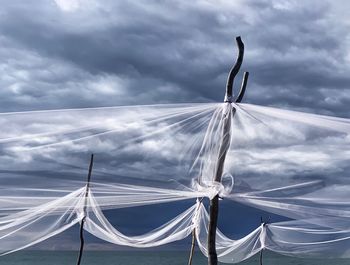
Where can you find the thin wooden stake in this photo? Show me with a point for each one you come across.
(81, 232)
(261, 257)
(193, 244)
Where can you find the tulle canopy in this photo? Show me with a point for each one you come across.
(288, 163)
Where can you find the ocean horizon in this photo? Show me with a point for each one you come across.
(44, 257)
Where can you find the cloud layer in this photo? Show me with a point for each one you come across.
(65, 54)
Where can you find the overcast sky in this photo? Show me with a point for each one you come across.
(72, 53)
(75, 53)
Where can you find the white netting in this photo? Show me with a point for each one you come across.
(176, 229)
(289, 163)
(26, 228)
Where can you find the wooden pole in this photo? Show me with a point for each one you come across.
(214, 203)
(225, 143)
(193, 244)
(261, 257)
(81, 232)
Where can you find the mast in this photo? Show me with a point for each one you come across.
(81, 232)
(224, 146)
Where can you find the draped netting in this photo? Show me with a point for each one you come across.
(29, 227)
(176, 229)
(288, 163)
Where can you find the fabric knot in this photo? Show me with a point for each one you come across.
(212, 188)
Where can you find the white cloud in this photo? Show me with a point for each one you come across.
(68, 5)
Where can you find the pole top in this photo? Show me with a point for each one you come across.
(234, 71)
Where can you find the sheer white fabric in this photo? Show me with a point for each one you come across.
(228, 250)
(289, 163)
(300, 238)
(176, 229)
(26, 228)
(304, 239)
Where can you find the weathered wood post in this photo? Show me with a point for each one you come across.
(81, 232)
(193, 244)
(224, 146)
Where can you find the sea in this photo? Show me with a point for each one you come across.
(145, 258)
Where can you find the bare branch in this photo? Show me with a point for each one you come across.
(243, 87)
(235, 69)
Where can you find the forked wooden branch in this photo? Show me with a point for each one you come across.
(224, 145)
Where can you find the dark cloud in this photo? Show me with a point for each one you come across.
(170, 52)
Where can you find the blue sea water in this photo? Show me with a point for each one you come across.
(144, 258)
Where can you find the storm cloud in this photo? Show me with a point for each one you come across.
(67, 54)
